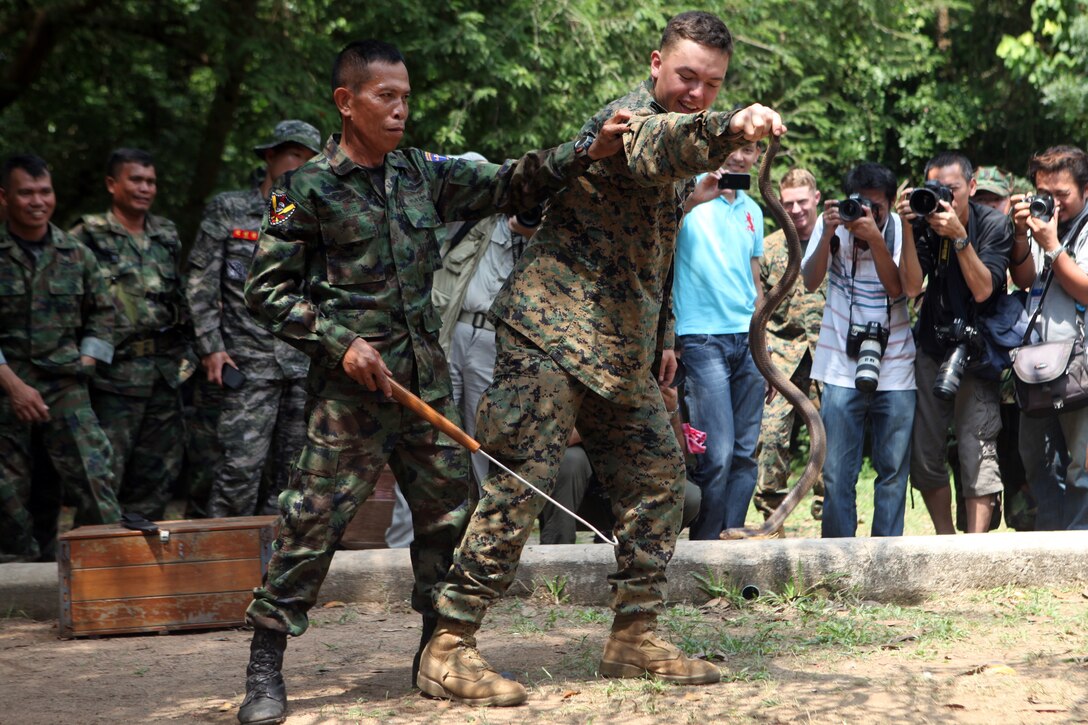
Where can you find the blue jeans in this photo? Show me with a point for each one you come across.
(724, 395)
(890, 415)
(1046, 460)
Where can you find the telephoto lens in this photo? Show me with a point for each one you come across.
(867, 375)
(951, 373)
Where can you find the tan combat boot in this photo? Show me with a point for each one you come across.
(633, 650)
(451, 668)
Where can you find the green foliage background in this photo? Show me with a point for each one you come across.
(199, 82)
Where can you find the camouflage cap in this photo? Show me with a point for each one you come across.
(292, 131)
(990, 178)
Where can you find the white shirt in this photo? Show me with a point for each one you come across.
(846, 282)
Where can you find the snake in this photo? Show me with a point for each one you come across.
(757, 338)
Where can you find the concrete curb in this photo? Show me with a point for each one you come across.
(904, 569)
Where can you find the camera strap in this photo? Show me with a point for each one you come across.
(889, 240)
(1049, 272)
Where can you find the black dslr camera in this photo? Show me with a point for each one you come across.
(1041, 206)
(867, 342)
(927, 198)
(963, 342)
(853, 207)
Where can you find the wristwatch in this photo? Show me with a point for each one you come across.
(581, 146)
(960, 244)
(1050, 257)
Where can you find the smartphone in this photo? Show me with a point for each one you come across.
(232, 377)
(735, 181)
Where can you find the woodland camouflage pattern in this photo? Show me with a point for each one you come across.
(136, 397)
(69, 311)
(793, 332)
(338, 259)
(262, 426)
(585, 302)
(367, 256)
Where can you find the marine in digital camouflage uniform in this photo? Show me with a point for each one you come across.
(260, 426)
(343, 271)
(576, 336)
(791, 335)
(56, 321)
(136, 397)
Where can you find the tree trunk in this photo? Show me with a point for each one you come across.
(218, 125)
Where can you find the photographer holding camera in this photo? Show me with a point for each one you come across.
(865, 355)
(963, 251)
(1054, 217)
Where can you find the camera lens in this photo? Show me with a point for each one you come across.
(1041, 206)
(923, 201)
(867, 375)
(850, 210)
(951, 373)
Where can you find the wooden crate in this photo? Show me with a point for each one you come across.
(367, 528)
(114, 581)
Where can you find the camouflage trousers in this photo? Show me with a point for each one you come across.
(775, 435)
(347, 445)
(148, 439)
(203, 451)
(261, 428)
(524, 420)
(79, 453)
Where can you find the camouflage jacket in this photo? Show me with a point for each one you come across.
(795, 324)
(147, 296)
(219, 262)
(340, 259)
(588, 290)
(53, 309)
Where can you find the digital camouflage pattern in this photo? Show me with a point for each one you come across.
(269, 408)
(136, 397)
(218, 265)
(53, 309)
(347, 445)
(524, 420)
(342, 256)
(585, 300)
(792, 335)
(261, 429)
(366, 256)
(588, 290)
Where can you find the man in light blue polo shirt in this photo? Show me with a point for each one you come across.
(715, 294)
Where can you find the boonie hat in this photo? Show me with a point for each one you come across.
(292, 131)
(990, 178)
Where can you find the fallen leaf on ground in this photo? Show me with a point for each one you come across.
(955, 706)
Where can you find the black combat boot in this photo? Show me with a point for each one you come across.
(266, 695)
(430, 621)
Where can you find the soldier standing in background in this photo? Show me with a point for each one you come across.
(791, 335)
(56, 322)
(136, 398)
(260, 428)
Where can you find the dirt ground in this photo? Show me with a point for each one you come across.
(1004, 656)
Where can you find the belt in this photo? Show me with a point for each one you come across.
(476, 319)
(159, 344)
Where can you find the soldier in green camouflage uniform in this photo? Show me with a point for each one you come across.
(576, 336)
(343, 272)
(792, 334)
(56, 321)
(261, 424)
(136, 397)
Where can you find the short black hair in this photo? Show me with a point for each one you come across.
(349, 68)
(120, 157)
(869, 175)
(32, 164)
(700, 27)
(951, 158)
